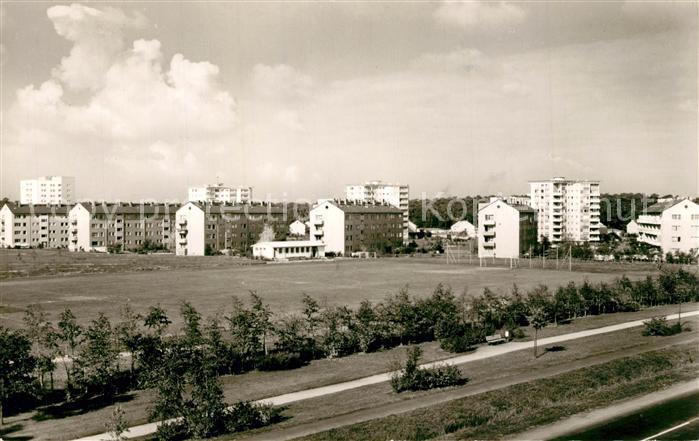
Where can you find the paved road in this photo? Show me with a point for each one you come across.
(481, 353)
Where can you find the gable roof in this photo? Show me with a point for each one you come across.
(659, 207)
(38, 209)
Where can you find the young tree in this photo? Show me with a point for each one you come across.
(41, 334)
(261, 315)
(129, 335)
(99, 356)
(243, 333)
(192, 324)
(156, 320)
(538, 320)
(70, 335)
(368, 327)
(310, 313)
(206, 411)
(117, 425)
(16, 366)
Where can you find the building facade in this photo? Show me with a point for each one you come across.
(211, 228)
(288, 250)
(463, 228)
(34, 226)
(220, 193)
(672, 226)
(380, 192)
(504, 230)
(568, 210)
(346, 227)
(297, 228)
(124, 226)
(53, 190)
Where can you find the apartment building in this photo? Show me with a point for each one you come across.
(672, 226)
(348, 226)
(53, 190)
(34, 226)
(210, 228)
(380, 192)
(568, 210)
(130, 226)
(505, 230)
(220, 193)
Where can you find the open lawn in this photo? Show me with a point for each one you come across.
(210, 284)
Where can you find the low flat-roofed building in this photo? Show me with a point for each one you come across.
(285, 250)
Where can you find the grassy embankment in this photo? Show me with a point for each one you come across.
(510, 410)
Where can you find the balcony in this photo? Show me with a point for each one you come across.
(318, 222)
(489, 233)
(182, 231)
(74, 222)
(183, 241)
(489, 244)
(182, 223)
(74, 240)
(489, 222)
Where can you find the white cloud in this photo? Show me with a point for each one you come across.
(479, 14)
(97, 37)
(142, 115)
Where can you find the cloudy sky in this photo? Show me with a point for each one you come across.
(140, 100)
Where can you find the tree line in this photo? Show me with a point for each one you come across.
(183, 364)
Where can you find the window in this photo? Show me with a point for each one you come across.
(676, 217)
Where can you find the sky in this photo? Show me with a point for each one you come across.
(139, 100)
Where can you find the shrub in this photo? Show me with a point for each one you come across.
(279, 361)
(414, 377)
(245, 415)
(659, 326)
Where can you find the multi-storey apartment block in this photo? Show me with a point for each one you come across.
(52, 190)
(210, 228)
(568, 210)
(220, 193)
(346, 227)
(97, 226)
(673, 226)
(384, 193)
(34, 226)
(505, 230)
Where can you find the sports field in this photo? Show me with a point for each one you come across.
(210, 284)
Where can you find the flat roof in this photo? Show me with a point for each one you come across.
(290, 243)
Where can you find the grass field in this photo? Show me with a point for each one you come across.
(210, 282)
(498, 413)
